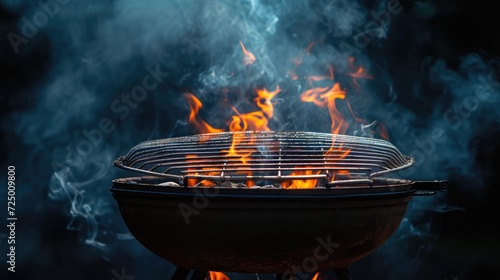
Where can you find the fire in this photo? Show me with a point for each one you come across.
(263, 101)
(191, 181)
(240, 152)
(325, 97)
(191, 171)
(214, 275)
(360, 72)
(249, 58)
(302, 184)
(312, 79)
(253, 121)
(324, 91)
(383, 131)
(243, 155)
(194, 118)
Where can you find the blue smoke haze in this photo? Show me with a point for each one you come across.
(84, 81)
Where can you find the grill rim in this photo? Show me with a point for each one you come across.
(374, 146)
(385, 187)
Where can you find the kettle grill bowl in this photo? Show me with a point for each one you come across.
(260, 230)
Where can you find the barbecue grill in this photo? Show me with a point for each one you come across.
(229, 201)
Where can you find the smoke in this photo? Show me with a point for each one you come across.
(117, 71)
(444, 144)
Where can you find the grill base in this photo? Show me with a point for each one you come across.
(247, 232)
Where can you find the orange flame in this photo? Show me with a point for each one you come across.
(242, 152)
(326, 97)
(239, 152)
(194, 118)
(302, 184)
(214, 275)
(383, 131)
(360, 72)
(315, 277)
(263, 101)
(191, 181)
(330, 76)
(253, 121)
(249, 58)
(191, 171)
(324, 92)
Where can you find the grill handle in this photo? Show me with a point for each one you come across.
(429, 187)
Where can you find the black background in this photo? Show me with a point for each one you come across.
(467, 246)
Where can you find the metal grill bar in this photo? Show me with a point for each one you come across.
(274, 156)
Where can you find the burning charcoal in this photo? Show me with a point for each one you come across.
(225, 184)
(256, 187)
(273, 186)
(228, 184)
(206, 183)
(239, 185)
(169, 184)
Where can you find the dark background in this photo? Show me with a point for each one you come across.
(466, 244)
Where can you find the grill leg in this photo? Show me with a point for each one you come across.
(342, 273)
(180, 274)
